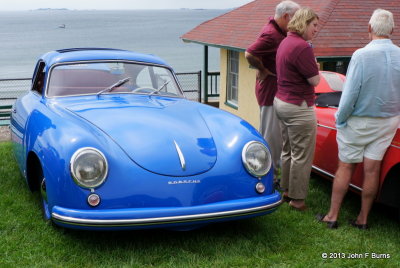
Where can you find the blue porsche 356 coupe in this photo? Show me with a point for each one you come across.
(110, 141)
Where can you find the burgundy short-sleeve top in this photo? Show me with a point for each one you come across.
(265, 48)
(295, 63)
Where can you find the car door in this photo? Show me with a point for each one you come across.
(21, 110)
(326, 152)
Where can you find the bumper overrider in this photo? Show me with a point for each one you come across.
(137, 218)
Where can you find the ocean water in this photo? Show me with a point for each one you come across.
(26, 35)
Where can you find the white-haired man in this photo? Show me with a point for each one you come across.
(368, 116)
(261, 55)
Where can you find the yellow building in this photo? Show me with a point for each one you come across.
(245, 105)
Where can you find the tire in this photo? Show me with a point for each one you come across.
(43, 198)
(390, 194)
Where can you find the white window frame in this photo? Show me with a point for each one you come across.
(232, 88)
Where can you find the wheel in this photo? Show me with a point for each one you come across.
(37, 183)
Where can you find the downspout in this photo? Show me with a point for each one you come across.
(205, 71)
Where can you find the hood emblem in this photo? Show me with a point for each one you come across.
(181, 157)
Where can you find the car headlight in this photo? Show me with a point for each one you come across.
(256, 158)
(89, 167)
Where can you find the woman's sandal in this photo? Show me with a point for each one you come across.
(329, 224)
(359, 226)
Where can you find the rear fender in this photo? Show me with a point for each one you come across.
(390, 191)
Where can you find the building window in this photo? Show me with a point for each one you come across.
(233, 78)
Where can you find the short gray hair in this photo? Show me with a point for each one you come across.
(286, 7)
(382, 22)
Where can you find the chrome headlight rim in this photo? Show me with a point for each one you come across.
(74, 157)
(246, 165)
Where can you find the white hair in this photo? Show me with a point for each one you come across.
(286, 7)
(382, 22)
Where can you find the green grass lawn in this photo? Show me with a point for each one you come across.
(285, 238)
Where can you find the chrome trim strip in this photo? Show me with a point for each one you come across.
(181, 157)
(322, 171)
(356, 187)
(320, 125)
(73, 220)
(395, 146)
(331, 175)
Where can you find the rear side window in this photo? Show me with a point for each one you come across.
(38, 79)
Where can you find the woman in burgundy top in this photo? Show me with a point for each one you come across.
(297, 73)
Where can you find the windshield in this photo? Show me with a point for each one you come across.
(111, 77)
(335, 81)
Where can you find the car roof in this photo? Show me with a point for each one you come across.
(89, 54)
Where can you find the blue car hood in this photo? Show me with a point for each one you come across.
(163, 135)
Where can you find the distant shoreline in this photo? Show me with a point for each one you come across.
(67, 9)
(99, 10)
(45, 9)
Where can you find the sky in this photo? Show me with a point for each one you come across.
(120, 4)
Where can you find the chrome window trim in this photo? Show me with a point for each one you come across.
(232, 213)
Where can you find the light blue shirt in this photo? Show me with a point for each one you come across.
(372, 87)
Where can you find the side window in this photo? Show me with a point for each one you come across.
(233, 78)
(38, 79)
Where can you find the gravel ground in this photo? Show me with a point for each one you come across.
(4, 133)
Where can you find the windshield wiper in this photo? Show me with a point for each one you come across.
(158, 90)
(110, 88)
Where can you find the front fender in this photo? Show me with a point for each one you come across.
(231, 133)
(54, 135)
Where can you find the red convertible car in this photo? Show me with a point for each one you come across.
(326, 151)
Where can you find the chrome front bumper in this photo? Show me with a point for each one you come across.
(142, 218)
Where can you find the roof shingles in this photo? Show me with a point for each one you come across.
(343, 25)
